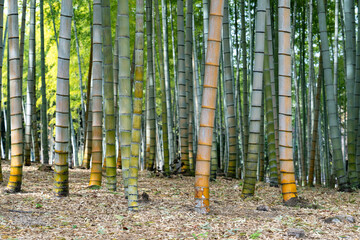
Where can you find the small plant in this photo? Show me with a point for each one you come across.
(255, 235)
(38, 205)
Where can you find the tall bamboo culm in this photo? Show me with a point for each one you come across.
(256, 103)
(124, 88)
(97, 111)
(150, 118)
(287, 175)
(110, 151)
(335, 134)
(207, 117)
(133, 203)
(183, 113)
(1, 57)
(30, 86)
(229, 94)
(14, 184)
(189, 83)
(61, 173)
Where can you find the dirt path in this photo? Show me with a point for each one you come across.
(98, 214)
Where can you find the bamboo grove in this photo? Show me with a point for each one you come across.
(263, 90)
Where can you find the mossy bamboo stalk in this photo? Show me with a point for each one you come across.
(110, 128)
(133, 204)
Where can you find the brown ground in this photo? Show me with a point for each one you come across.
(98, 214)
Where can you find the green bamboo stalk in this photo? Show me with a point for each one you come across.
(183, 111)
(1, 61)
(229, 94)
(352, 111)
(164, 112)
(189, 80)
(62, 138)
(270, 128)
(110, 128)
(256, 103)
(124, 88)
(335, 134)
(133, 204)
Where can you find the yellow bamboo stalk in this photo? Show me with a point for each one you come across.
(202, 172)
(288, 186)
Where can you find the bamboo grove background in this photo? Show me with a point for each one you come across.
(124, 84)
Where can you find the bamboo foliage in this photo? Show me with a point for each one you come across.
(97, 111)
(133, 204)
(256, 103)
(208, 108)
(61, 174)
(288, 186)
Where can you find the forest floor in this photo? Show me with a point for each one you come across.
(35, 213)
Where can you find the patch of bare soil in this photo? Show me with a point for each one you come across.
(166, 211)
